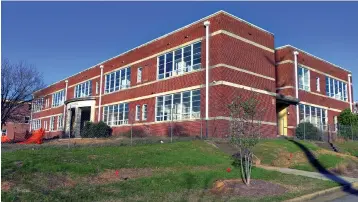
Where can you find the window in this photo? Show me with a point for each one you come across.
(314, 115)
(83, 89)
(116, 114)
(318, 85)
(60, 122)
(118, 80)
(137, 112)
(47, 103)
(27, 119)
(97, 87)
(139, 75)
(36, 124)
(144, 112)
(182, 60)
(336, 89)
(52, 123)
(4, 132)
(37, 105)
(303, 79)
(58, 98)
(184, 105)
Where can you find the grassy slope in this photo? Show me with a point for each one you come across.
(180, 182)
(277, 152)
(350, 147)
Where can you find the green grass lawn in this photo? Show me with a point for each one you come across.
(182, 171)
(285, 153)
(350, 147)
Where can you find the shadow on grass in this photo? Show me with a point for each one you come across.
(346, 186)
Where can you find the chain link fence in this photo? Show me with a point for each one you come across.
(326, 133)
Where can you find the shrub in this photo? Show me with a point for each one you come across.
(307, 130)
(100, 129)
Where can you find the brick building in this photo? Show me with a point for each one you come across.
(164, 82)
(18, 124)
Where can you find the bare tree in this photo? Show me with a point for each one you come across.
(18, 82)
(245, 123)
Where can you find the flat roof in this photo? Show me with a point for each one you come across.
(156, 39)
(288, 45)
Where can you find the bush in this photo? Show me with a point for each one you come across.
(307, 130)
(91, 130)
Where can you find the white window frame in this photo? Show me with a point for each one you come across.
(58, 98)
(137, 112)
(302, 119)
(180, 70)
(116, 121)
(341, 92)
(45, 125)
(318, 84)
(97, 87)
(144, 112)
(181, 115)
(139, 74)
(304, 86)
(83, 89)
(122, 84)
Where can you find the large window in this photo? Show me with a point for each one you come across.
(314, 115)
(36, 124)
(336, 89)
(116, 114)
(185, 59)
(184, 105)
(37, 105)
(83, 89)
(118, 80)
(58, 98)
(303, 79)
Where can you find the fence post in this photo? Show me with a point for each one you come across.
(304, 132)
(171, 125)
(131, 133)
(201, 128)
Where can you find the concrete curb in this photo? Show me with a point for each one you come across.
(320, 193)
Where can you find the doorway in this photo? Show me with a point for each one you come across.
(85, 116)
(282, 119)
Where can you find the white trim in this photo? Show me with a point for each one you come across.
(310, 68)
(285, 87)
(285, 46)
(192, 88)
(244, 40)
(243, 70)
(44, 117)
(320, 106)
(185, 120)
(144, 112)
(137, 112)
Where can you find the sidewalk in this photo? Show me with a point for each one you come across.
(325, 176)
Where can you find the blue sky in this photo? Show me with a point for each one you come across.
(63, 38)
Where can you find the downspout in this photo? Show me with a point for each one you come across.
(206, 24)
(100, 94)
(64, 109)
(295, 53)
(350, 91)
(32, 105)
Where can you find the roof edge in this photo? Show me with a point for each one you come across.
(161, 37)
(323, 60)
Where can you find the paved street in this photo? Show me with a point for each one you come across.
(347, 198)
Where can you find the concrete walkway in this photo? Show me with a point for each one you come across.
(322, 176)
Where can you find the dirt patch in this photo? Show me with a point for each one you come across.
(349, 169)
(7, 185)
(110, 176)
(54, 181)
(323, 151)
(287, 160)
(257, 188)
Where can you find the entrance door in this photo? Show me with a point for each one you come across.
(282, 120)
(85, 115)
(73, 118)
